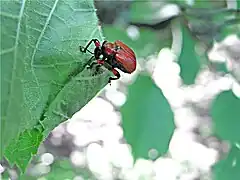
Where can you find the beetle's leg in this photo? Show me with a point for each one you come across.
(99, 64)
(90, 63)
(97, 69)
(84, 49)
(100, 61)
(90, 60)
(110, 68)
(116, 73)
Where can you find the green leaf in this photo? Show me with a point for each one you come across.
(5, 175)
(147, 119)
(225, 114)
(63, 169)
(211, 23)
(20, 151)
(220, 67)
(228, 28)
(209, 4)
(228, 168)
(43, 75)
(146, 44)
(188, 61)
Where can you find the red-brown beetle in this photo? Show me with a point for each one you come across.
(111, 56)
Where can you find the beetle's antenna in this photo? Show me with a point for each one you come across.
(90, 52)
(83, 49)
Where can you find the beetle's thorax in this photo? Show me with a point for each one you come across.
(109, 48)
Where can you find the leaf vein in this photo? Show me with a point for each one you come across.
(44, 28)
(7, 50)
(9, 15)
(15, 51)
(38, 41)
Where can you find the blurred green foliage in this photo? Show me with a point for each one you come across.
(61, 169)
(228, 167)
(147, 41)
(189, 61)
(147, 119)
(212, 24)
(225, 113)
(209, 4)
(203, 4)
(147, 11)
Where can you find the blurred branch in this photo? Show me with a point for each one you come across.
(205, 12)
(156, 26)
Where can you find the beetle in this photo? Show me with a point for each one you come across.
(111, 56)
